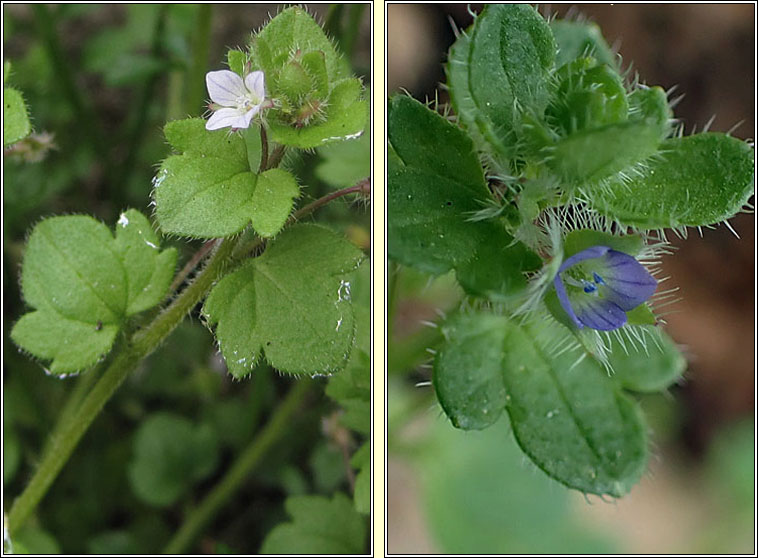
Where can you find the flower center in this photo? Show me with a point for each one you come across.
(248, 101)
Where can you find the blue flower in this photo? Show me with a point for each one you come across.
(598, 286)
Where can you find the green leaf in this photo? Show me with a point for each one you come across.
(361, 460)
(148, 270)
(591, 155)
(291, 30)
(16, 124)
(435, 184)
(568, 416)
(236, 60)
(468, 370)
(698, 180)
(210, 191)
(344, 117)
(206, 191)
(318, 526)
(351, 388)
(170, 455)
(651, 367)
(580, 38)
(272, 201)
(84, 284)
(503, 60)
(292, 304)
(11, 452)
(345, 163)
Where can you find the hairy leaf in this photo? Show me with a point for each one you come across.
(83, 284)
(292, 304)
(568, 416)
(211, 190)
(697, 180)
(497, 69)
(435, 185)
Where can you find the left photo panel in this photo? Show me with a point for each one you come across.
(187, 278)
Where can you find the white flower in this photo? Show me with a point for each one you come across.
(239, 100)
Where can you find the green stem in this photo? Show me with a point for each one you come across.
(277, 426)
(64, 443)
(83, 385)
(141, 344)
(201, 40)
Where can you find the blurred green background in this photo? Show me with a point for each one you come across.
(102, 80)
(475, 492)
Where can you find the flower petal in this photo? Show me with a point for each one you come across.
(627, 282)
(563, 298)
(225, 87)
(587, 254)
(255, 83)
(227, 117)
(599, 313)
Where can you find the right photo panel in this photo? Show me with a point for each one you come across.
(570, 280)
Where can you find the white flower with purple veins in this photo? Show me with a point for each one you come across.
(598, 286)
(235, 101)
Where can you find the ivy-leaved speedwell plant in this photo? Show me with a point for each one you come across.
(546, 188)
(275, 291)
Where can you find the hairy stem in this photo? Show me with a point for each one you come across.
(140, 345)
(275, 429)
(197, 257)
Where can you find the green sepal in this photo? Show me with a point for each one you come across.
(649, 367)
(342, 117)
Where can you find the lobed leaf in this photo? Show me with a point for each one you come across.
(318, 526)
(210, 191)
(83, 284)
(292, 304)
